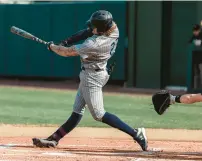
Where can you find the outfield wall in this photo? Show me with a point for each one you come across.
(21, 57)
(153, 36)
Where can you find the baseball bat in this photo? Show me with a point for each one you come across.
(26, 35)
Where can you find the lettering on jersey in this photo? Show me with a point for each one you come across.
(113, 47)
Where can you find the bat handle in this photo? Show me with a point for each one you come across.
(40, 41)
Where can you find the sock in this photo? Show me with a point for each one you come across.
(115, 122)
(68, 126)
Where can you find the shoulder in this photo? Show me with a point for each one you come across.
(89, 43)
(90, 40)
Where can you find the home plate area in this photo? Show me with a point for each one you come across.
(80, 149)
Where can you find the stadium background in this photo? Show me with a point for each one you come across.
(152, 50)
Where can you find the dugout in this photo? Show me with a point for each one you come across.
(194, 69)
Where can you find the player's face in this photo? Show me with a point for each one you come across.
(196, 32)
(94, 31)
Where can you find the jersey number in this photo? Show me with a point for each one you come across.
(113, 47)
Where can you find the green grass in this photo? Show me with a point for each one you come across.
(32, 106)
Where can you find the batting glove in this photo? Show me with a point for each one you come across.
(49, 44)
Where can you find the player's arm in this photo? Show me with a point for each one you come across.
(63, 51)
(163, 99)
(186, 98)
(82, 50)
(80, 35)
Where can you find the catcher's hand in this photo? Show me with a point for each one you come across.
(161, 101)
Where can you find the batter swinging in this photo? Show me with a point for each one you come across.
(96, 50)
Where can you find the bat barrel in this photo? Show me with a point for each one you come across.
(26, 34)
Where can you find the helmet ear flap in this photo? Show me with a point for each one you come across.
(88, 24)
(108, 25)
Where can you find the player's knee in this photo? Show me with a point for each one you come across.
(98, 116)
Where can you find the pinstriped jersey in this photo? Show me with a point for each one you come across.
(97, 50)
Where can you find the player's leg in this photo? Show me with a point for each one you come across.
(186, 98)
(69, 125)
(94, 99)
(74, 119)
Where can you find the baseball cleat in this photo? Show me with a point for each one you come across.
(44, 143)
(141, 138)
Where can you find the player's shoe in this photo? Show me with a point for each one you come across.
(44, 143)
(141, 138)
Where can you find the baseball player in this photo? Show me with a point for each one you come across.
(163, 99)
(99, 46)
(197, 35)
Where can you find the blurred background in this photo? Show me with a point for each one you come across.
(157, 46)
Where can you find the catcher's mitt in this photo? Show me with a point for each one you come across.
(161, 101)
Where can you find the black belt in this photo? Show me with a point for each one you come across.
(97, 70)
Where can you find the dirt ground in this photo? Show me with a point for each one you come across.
(99, 144)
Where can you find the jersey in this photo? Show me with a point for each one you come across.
(97, 50)
(196, 37)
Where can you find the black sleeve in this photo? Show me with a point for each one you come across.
(78, 36)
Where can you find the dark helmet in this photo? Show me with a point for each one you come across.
(102, 20)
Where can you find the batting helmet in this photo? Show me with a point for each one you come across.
(102, 20)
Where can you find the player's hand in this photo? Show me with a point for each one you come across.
(49, 44)
(64, 43)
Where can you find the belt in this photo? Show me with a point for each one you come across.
(97, 70)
